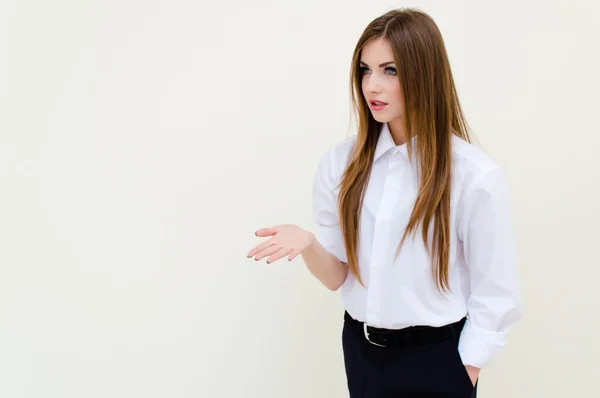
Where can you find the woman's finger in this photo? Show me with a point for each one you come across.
(267, 252)
(293, 254)
(260, 247)
(266, 232)
(281, 253)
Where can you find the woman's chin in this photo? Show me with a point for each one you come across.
(380, 118)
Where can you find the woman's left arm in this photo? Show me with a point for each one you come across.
(494, 304)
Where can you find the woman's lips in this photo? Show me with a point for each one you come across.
(377, 106)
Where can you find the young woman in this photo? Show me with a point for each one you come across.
(412, 223)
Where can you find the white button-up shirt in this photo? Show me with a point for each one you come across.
(482, 269)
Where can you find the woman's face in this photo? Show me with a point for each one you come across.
(380, 81)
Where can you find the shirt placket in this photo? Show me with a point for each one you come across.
(381, 232)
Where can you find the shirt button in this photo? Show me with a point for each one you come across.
(393, 183)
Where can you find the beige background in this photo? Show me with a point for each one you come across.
(143, 142)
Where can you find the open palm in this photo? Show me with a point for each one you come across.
(286, 239)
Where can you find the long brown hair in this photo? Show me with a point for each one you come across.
(431, 109)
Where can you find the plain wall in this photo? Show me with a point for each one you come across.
(143, 142)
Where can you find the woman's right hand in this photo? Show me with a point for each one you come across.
(286, 239)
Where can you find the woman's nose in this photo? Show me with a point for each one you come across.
(373, 85)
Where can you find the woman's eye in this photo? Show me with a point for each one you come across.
(365, 69)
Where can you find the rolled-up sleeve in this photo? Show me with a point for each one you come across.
(494, 304)
(325, 215)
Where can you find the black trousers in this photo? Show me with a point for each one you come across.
(426, 369)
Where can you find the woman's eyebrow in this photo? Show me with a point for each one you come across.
(380, 65)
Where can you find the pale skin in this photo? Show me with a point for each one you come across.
(287, 240)
(379, 82)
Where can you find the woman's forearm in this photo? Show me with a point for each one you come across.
(324, 266)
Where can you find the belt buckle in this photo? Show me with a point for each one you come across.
(367, 336)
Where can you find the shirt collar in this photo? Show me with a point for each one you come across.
(385, 142)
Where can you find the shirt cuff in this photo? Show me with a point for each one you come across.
(330, 237)
(478, 346)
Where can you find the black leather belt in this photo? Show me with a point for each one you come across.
(406, 337)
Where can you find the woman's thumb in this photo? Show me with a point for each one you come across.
(265, 232)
